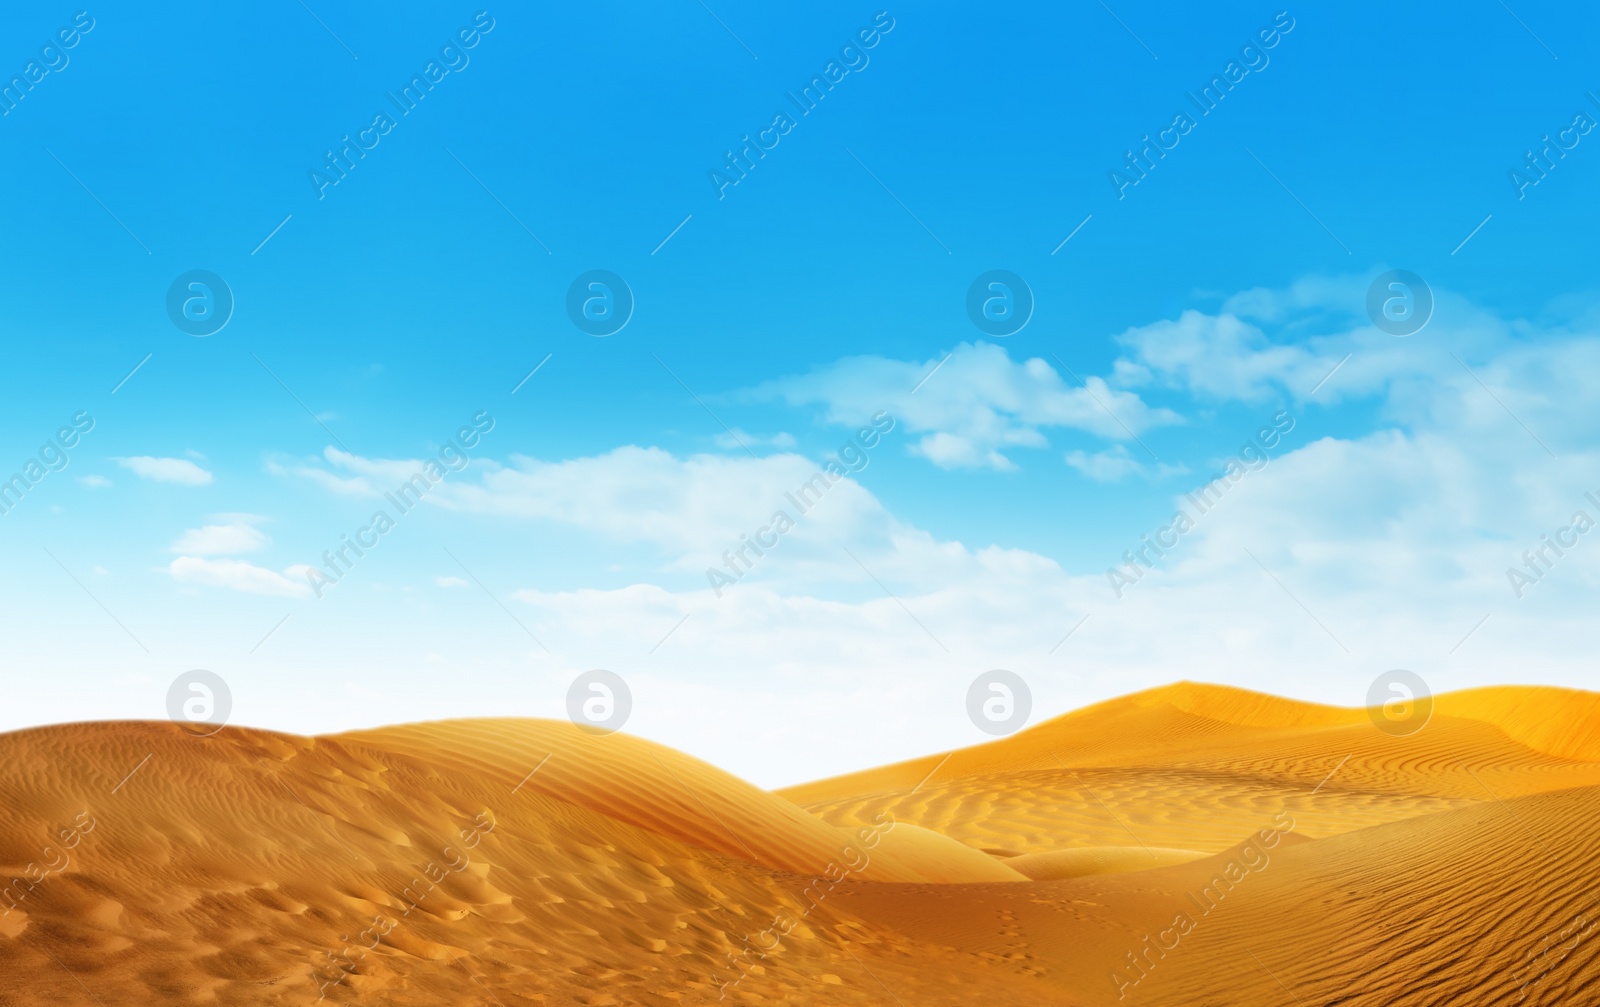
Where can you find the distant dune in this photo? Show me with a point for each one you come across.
(1189, 845)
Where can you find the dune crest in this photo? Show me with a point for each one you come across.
(1083, 861)
(657, 789)
(1561, 722)
(1133, 851)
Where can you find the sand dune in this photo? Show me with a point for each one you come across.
(1195, 767)
(1082, 861)
(1190, 845)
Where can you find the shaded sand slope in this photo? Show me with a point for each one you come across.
(248, 867)
(516, 862)
(1479, 905)
(1194, 766)
(665, 792)
(1560, 722)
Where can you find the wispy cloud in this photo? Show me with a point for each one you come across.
(978, 404)
(239, 535)
(737, 439)
(1116, 463)
(166, 470)
(237, 575)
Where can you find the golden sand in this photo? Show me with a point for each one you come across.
(1191, 845)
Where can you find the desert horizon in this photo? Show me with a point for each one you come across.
(799, 505)
(1189, 844)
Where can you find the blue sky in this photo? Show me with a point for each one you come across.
(374, 318)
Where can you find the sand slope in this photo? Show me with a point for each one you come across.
(1196, 767)
(1315, 858)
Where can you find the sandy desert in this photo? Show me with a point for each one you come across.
(1189, 845)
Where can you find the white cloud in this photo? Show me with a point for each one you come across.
(166, 470)
(1382, 548)
(1116, 463)
(1339, 300)
(95, 482)
(1217, 357)
(970, 405)
(239, 575)
(739, 439)
(693, 511)
(236, 536)
(629, 494)
(370, 477)
(1395, 546)
(1109, 466)
(450, 582)
(1319, 328)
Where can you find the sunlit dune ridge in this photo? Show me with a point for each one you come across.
(1193, 844)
